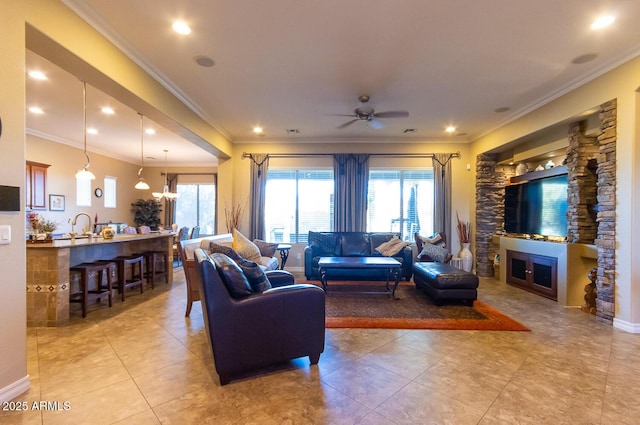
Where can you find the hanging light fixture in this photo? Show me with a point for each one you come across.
(85, 174)
(169, 196)
(141, 185)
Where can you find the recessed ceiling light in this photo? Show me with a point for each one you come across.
(450, 129)
(205, 61)
(92, 131)
(602, 22)
(257, 130)
(36, 110)
(181, 27)
(502, 109)
(107, 110)
(584, 58)
(38, 75)
(150, 131)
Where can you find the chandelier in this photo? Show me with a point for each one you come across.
(169, 196)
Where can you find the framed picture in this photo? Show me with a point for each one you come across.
(56, 202)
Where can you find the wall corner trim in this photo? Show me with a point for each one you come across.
(13, 390)
(623, 325)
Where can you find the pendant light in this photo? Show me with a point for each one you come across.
(169, 196)
(85, 174)
(141, 185)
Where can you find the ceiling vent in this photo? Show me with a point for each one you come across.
(293, 131)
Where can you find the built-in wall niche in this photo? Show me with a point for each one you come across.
(548, 146)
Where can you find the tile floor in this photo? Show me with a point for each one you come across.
(142, 362)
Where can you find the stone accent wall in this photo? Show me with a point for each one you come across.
(582, 154)
(606, 215)
(490, 182)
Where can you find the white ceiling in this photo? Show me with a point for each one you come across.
(287, 64)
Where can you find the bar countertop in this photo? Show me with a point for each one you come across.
(84, 241)
(49, 278)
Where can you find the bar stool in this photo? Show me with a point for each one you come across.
(136, 269)
(151, 258)
(85, 294)
(152, 270)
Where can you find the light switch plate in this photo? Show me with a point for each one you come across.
(5, 234)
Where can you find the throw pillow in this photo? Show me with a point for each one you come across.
(245, 248)
(267, 249)
(435, 239)
(437, 252)
(232, 276)
(391, 247)
(223, 249)
(255, 275)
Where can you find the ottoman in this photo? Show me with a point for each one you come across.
(443, 282)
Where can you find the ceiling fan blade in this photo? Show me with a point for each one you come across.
(347, 124)
(340, 115)
(375, 124)
(391, 114)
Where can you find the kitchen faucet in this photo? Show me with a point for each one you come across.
(75, 219)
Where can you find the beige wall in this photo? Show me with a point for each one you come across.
(13, 367)
(64, 161)
(462, 180)
(622, 84)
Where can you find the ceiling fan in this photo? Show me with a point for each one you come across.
(367, 114)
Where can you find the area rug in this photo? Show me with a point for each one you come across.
(365, 305)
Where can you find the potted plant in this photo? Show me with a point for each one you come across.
(147, 213)
(48, 227)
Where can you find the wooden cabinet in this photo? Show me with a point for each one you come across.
(533, 272)
(36, 185)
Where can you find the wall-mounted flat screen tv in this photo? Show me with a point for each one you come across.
(537, 207)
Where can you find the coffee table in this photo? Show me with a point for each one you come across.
(390, 265)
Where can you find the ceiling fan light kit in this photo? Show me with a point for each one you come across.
(369, 116)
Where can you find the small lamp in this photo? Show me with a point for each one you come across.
(85, 174)
(141, 185)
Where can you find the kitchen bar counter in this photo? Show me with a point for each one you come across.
(48, 264)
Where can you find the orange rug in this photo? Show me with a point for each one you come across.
(365, 305)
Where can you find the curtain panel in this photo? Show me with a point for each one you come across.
(442, 193)
(170, 206)
(351, 180)
(259, 168)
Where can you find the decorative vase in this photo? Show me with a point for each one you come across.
(108, 233)
(466, 256)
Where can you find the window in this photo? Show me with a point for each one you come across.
(297, 201)
(83, 192)
(196, 206)
(109, 192)
(400, 201)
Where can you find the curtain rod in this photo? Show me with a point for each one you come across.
(399, 155)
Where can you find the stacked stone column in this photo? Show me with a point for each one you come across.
(490, 183)
(582, 154)
(606, 215)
